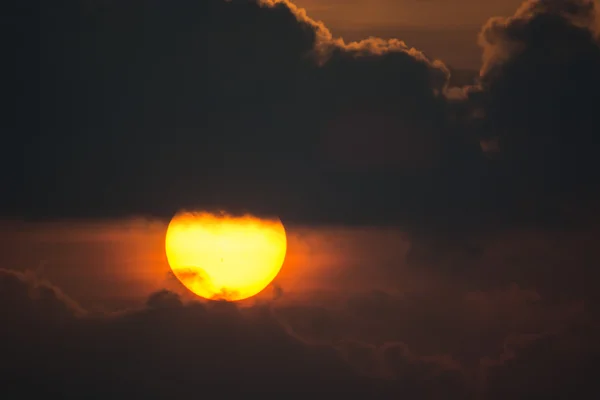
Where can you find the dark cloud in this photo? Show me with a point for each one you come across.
(26, 299)
(417, 373)
(526, 369)
(167, 349)
(164, 299)
(467, 324)
(540, 88)
(235, 104)
(170, 348)
(251, 105)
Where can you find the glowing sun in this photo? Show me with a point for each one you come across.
(221, 257)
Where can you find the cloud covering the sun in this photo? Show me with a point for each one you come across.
(254, 106)
(245, 105)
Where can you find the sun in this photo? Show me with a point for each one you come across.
(223, 257)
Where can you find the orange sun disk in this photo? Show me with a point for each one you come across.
(222, 257)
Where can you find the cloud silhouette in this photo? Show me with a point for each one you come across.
(165, 349)
(242, 105)
(540, 82)
(254, 106)
(171, 348)
(526, 367)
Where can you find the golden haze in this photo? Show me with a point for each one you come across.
(222, 257)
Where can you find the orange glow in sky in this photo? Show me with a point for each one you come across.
(222, 257)
(413, 13)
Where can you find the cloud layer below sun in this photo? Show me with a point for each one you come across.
(168, 348)
(365, 310)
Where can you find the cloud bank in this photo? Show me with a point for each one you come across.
(171, 348)
(254, 106)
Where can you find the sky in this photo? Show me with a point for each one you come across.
(434, 165)
(443, 29)
(427, 14)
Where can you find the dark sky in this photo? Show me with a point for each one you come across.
(120, 109)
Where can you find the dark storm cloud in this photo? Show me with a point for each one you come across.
(534, 114)
(444, 336)
(496, 343)
(465, 325)
(150, 107)
(167, 349)
(147, 107)
(540, 94)
(535, 356)
(415, 373)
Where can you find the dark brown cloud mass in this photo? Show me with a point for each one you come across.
(212, 102)
(250, 105)
(166, 349)
(175, 349)
(540, 90)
